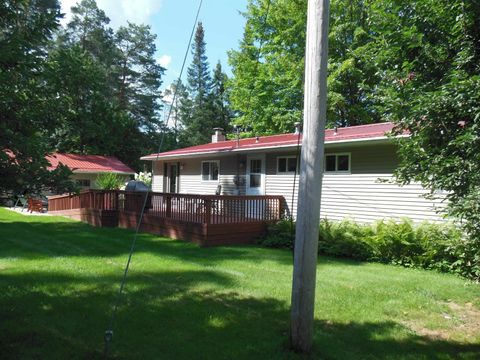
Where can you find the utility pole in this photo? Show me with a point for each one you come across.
(311, 175)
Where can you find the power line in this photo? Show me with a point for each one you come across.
(109, 332)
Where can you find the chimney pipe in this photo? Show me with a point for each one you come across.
(298, 128)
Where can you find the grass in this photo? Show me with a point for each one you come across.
(59, 279)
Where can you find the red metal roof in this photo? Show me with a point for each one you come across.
(89, 163)
(352, 133)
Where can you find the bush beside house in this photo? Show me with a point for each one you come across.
(441, 247)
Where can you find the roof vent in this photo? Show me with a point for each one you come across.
(335, 130)
(218, 135)
(298, 128)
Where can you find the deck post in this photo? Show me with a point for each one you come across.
(311, 173)
(168, 212)
(208, 211)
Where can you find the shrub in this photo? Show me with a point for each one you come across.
(145, 177)
(279, 235)
(109, 181)
(442, 247)
(344, 239)
(394, 242)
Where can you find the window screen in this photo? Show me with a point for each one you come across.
(210, 170)
(337, 163)
(287, 164)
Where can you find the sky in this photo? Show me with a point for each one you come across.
(172, 21)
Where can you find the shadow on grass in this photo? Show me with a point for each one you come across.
(181, 315)
(39, 239)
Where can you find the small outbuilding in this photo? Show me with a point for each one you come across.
(86, 168)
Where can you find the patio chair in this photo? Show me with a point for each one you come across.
(35, 205)
(201, 207)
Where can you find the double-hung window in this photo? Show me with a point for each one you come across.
(287, 164)
(210, 170)
(337, 163)
(83, 182)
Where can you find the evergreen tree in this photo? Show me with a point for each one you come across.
(25, 103)
(107, 86)
(140, 76)
(221, 112)
(196, 110)
(89, 29)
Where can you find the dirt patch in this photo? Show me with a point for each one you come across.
(458, 321)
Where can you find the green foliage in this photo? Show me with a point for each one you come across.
(25, 104)
(433, 92)
(268, 93)
(109, 181)
(105, 80)
(428, 245)
(204, 103)
(344, 239)
(280, 235)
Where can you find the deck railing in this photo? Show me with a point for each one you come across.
(208, 209)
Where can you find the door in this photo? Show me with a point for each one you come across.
(254, 209)
(173, 178)
(255, 175)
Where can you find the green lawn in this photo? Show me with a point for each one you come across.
(59, 278)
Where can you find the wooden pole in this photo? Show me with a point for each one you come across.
(311, 175)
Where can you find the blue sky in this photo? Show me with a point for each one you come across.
(172, 20)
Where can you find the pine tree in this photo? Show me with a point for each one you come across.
(196, 111)
(25, 103)
(221, 111)
(139, 75)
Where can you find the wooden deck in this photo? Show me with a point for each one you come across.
(204, 219)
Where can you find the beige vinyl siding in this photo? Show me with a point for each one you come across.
(190, 179)
(281, 184)
(360, 195)
(364, 198)
(157, 178)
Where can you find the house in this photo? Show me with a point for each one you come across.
(86, 168)
(357, 178)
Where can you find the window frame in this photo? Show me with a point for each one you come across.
(210, 171)
(78, 183)
(286, 165)
(336, 171)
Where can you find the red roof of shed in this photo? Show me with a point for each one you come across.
(352, 133)
(89, 163)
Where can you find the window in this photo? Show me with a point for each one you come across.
(337, 163)
(83, 182)
(210, 170)
(286, 165)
